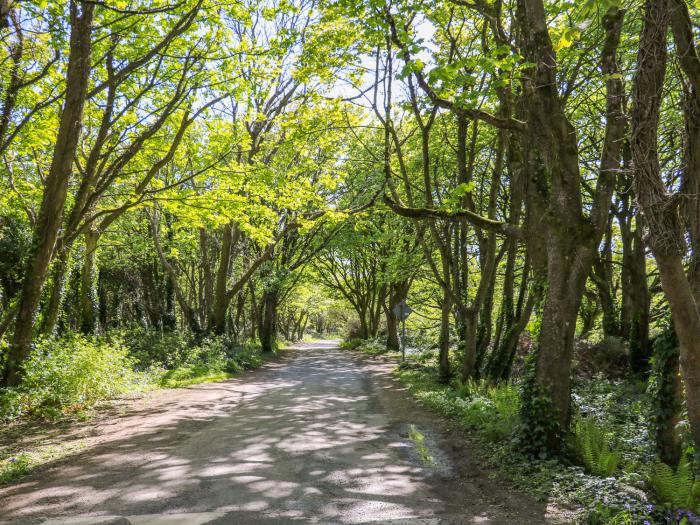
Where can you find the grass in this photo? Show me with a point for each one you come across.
(490, 416)
(371, 347)
(14, 468)
(17, 464)
(189, 375)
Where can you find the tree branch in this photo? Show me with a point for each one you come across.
(472, 218)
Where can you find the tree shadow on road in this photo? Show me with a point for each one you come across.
(310, 440)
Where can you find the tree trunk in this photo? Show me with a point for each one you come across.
(254, 312)
(393, 343)
(500, 365)
(467, 320)
(565, 285)
(483, 335)
(102, 301)
(636, 300)
(56, 188)
(221, 300)
(572, 237)
(602, 276)
(660, 210)
(398, 292)
(268, 326)
(236, 327)
(88, 295)
(634, 312)
(169, 319)
(207, 276)
(667, 396)
(444, 342)
(59, 270)
(189, 314)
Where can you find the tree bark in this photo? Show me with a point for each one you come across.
(572, 238)
(397, 292)
(268, 326)
(52, 310)
(444, 371)
(88, 293)
(634, 318)
(217, 323)
(667, 397)
(660, 209)
(56, 188)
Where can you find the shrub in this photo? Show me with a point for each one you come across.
(493, 409)
(373, 347)
(594, 449)
(245, 356)
(71, 374)
(216, 358)
(150, 347)
(352, 344)
(677, 488)
(490, 410)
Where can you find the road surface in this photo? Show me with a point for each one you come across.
(322, 436)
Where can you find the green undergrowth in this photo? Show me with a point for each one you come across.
(604, 478)
(189, 375)
(213, 360)
(370, 347)
(14, 468)
(69, 376)
(16, 464)
(678, 487)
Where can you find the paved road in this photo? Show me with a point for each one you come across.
(323, 436)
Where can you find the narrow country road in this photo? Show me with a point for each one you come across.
(322, 436)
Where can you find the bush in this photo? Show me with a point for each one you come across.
(150, 347)
(490, 410)
(678, 489)
(354, 331)
(594, 449)
(216, 358)
(71, 374)
(493, 409)
(351, 344)
(373, 347)
(245, 356)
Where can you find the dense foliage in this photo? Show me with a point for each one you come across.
(184, 185)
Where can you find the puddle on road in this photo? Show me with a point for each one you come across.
(418, 439)
(427, 450)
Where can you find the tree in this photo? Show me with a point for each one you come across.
(54, 196)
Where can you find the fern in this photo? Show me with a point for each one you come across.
(594, 448)
(676, 488)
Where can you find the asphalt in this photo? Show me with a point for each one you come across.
(322, 436)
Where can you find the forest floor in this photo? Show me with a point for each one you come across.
(320, 435)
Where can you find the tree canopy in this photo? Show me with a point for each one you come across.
(524, 172)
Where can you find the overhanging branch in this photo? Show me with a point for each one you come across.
(472, 218)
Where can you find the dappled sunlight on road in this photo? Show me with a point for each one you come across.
(307, 440)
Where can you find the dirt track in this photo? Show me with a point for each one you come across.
(323, 436)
